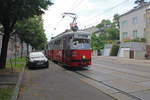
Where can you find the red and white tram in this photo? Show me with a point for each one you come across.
(71, 48)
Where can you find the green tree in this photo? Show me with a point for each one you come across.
(97, 43)
(116, 20)
(13, 10)
(103, 23)
(31, 31)
(109, 32)
(94, 41)
(139, 2)
(112, 33)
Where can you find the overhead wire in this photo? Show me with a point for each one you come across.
(107, 10)
(78, 2)
(74, 6)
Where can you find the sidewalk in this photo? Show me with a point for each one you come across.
(8, 81)
(57, 83)
(8, 78)
(122, 60)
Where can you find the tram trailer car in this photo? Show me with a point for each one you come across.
(71, 49)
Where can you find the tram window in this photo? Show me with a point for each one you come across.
(79, 41)
(74, 43)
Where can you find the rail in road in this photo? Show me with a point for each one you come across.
(133, 80)
(125, 80)
(101, 82)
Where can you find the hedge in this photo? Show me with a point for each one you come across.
(114, 50)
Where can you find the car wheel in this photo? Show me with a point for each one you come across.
(29, 67)
(47, 66)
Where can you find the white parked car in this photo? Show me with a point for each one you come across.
(37, 59)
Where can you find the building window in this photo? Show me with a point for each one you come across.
(124, 23)
(134, 20)
(135, 34)
(125, 35)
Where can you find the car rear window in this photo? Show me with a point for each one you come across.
(36, 54)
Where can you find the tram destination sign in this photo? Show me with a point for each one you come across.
(84, 36)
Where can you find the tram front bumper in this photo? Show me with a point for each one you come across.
(83, 62)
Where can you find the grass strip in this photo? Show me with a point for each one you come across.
(6, 93)
(20, 63)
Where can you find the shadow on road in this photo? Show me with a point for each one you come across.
(36, 68)
(72, 68)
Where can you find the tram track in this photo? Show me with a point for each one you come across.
(101, 82)
(105, 84)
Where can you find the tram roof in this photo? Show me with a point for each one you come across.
(69, 33)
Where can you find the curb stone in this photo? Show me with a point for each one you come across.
(16, 91)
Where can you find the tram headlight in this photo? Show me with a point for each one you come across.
(83, 57)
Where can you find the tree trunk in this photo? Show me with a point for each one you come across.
(27, 49)
(4, 49)
(21, 48)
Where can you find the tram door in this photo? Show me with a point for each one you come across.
(64, 49)
(68, 50)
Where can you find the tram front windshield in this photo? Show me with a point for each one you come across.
(81, 44)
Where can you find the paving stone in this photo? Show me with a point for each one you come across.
(9, 77)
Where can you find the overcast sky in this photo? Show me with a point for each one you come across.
(89, 12)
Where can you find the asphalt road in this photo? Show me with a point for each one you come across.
(121, 78)
(57, 83)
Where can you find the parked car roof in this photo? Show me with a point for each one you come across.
(36, 54)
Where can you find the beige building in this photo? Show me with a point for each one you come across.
(133, 23)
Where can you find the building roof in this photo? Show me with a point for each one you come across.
(92, 30)
(135, 9)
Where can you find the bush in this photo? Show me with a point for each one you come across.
(136, 40)
(114, 50)
(143, 40)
